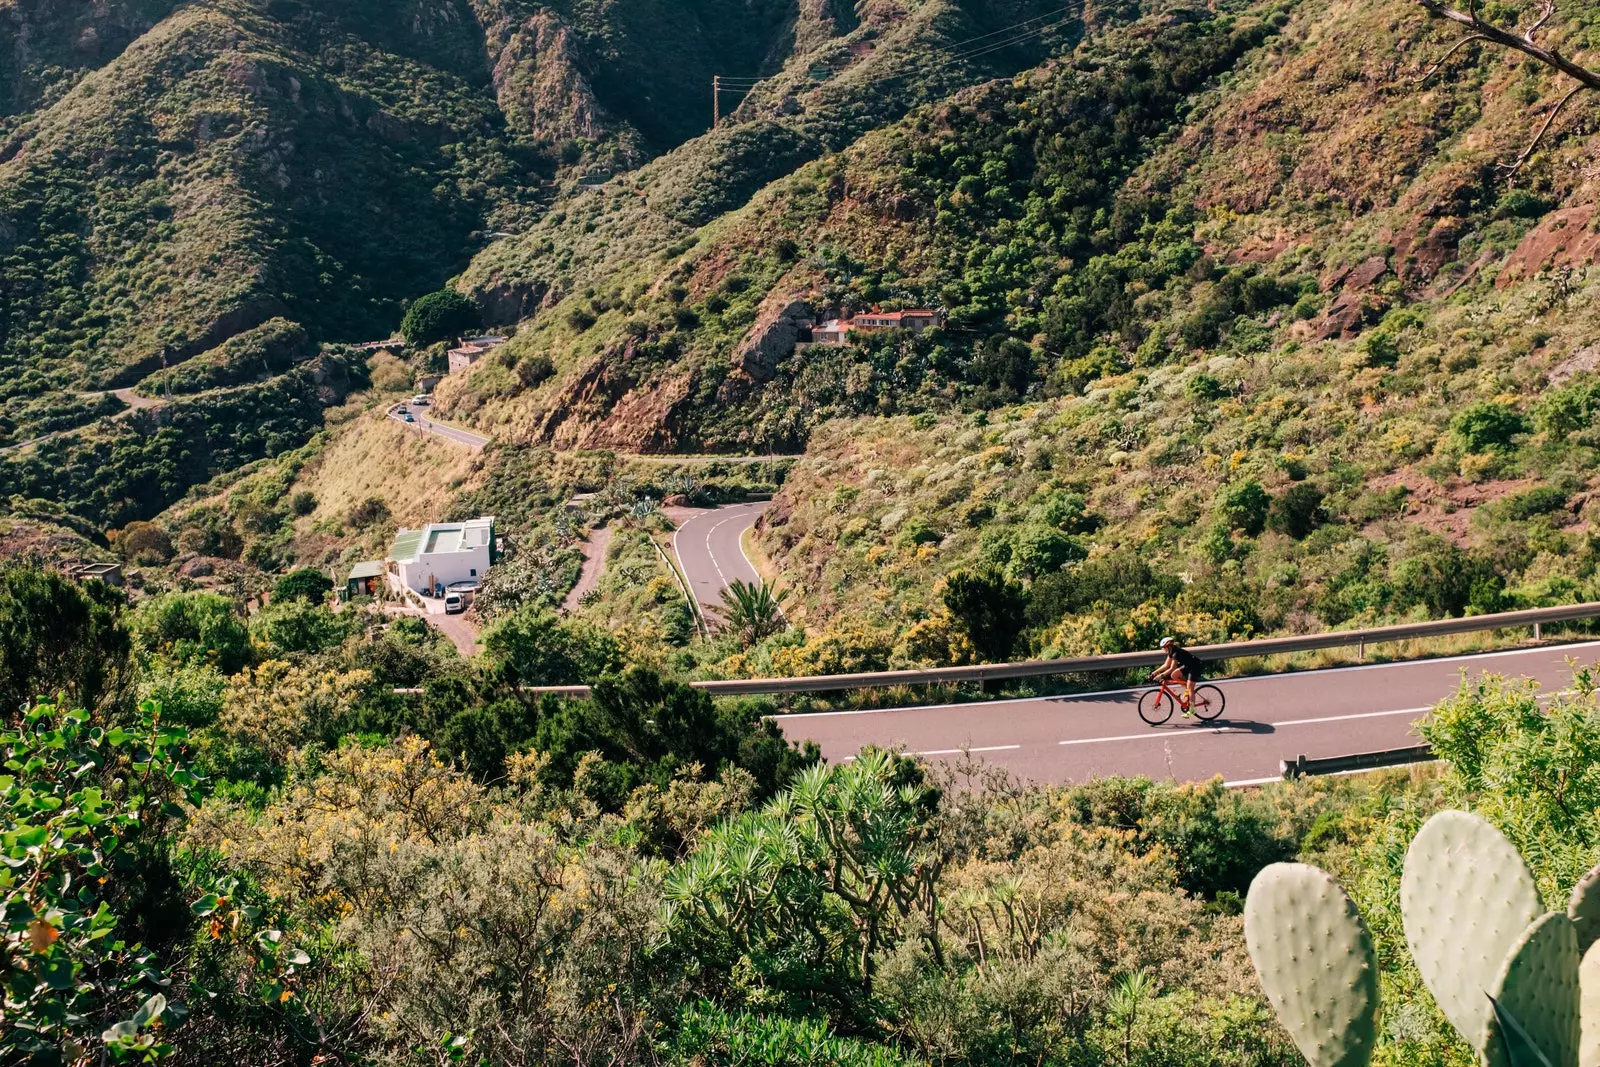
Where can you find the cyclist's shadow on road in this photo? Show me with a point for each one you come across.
(1223, 725)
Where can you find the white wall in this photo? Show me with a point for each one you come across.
(445, 568)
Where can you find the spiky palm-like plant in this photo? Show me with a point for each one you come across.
(752, 611)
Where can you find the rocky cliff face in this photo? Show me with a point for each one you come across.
(541, 88)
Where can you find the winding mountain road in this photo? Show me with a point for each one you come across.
(423, 424)
(1335, 712)
(708, 548)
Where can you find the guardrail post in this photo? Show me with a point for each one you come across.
(1361, 652)
(1538, 632)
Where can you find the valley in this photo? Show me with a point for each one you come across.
(454, 453)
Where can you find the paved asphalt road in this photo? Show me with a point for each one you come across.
(472, 440)
(1336, 712)
(707, 546)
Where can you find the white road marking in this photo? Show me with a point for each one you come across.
(953, 751)
(1148, 735)
(1362, 715)
(1196, 731)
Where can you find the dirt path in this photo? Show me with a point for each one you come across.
(134, 400)
(594, 564)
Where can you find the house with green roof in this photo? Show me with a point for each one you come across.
(364, 580)
(443, 554)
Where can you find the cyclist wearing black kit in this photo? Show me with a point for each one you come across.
(1181, 666)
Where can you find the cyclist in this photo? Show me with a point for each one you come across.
(1181, 666)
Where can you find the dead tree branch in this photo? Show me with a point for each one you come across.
(1519, 42)
(1548, 119)
(1524, 43)
(1458, 46)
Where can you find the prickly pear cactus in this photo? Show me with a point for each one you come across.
(1537, 986)
(1466, 897)
(1589, 1008)
(1584, 909)
(1316, 963)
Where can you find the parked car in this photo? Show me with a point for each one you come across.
(453, 604)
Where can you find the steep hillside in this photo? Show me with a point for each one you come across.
(838, 73)
(1368, 394)
(1238, 300)
(49, 44)
(988, 204)
(172, 177)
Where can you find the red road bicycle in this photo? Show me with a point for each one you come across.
(1157, 705)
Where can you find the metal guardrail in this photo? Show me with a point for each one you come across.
(1300, 766)
(990, 672)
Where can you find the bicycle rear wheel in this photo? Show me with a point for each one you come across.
(1155, 707)
(1208, 702)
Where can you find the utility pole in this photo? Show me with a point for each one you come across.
(716, 99)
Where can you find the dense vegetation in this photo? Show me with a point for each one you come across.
(133, 467)
(307, 865)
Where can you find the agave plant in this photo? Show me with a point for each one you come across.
(1520, 984)
(752, 611)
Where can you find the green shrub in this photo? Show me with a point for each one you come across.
(191, 629)
(1037, 549)
(1296, 511)
(86, 838)
(307, 584)
(57, 636)
(1120, 580)
(1205, 386)
(438, 317)
(303, 503)
(369, 512)
(917, 531)
(534, 371)
(1244, 506)
(1487, 426)
(1570, 408)
(1541, 500)
(1447, 581)
(534, 647)
(707, 1036)
(990, 607)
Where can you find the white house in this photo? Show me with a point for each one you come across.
(442, 553)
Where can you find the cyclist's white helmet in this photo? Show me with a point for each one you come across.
(1165, 641)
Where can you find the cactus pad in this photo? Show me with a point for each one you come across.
(1466, 897)
(1316, 963)
(1589, 1008)
(1538, 987)
(1584, 909)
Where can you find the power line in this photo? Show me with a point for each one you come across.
(963, 56)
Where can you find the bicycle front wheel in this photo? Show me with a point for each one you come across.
(1208, 702)
(1155, 707)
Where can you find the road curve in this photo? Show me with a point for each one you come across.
(1335, 712)
(423, 424)
(709, 551)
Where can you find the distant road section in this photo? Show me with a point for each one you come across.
(423, 424)
(708, 548)
(1336, 712)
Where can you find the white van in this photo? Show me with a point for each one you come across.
(453, 604)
